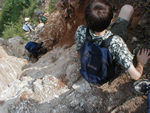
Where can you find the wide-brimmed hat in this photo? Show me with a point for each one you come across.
(27, 19)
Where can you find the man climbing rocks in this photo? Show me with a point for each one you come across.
(98, 15)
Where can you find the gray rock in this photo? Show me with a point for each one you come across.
(82, 86)
(1, 41)
(10, 68)
(54, 85)
(16, 44)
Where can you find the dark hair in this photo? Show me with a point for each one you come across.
(98, 15)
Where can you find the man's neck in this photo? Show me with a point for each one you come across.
(100, 33)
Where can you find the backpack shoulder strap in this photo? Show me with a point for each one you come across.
(27, 24)
(89, 37)
(106, 42)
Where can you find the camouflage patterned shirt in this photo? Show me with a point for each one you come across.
(117, 47)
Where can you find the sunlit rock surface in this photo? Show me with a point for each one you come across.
(10, 66)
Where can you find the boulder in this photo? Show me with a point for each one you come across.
(16, 44)
(10, 68)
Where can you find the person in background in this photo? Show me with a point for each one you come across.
(27, 27)
(42, 18)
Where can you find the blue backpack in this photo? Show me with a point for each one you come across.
(97, 65)
(33, 47)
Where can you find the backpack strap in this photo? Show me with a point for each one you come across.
(89, 37)
(106, 43)
(27, 24)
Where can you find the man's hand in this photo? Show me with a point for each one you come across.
(143, 56)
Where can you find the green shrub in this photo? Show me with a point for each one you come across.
(12, 12)
(29, 12)
(13, 29)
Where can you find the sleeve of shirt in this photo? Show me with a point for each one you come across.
(122, 54)
(80, 36)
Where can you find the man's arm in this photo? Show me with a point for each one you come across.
(142, 58)
(31, 27)
(135, 73)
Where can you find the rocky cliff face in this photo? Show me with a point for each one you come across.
(62, 23)
(53, 84)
